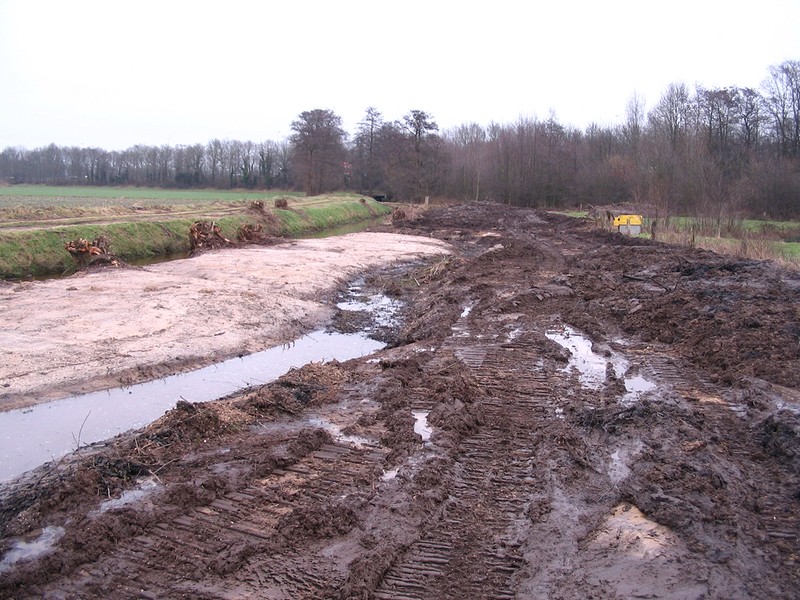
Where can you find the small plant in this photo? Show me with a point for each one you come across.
(757, 247)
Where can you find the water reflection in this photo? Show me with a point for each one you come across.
(32, 436)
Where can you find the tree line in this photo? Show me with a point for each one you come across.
(704, 151)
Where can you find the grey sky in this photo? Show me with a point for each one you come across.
(114, 73)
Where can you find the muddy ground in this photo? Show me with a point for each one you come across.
(666, 466)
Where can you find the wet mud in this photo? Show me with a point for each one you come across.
(560, 413)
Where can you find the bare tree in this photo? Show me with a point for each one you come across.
(267, 161)
(189, 162)
(215, 153)
(672, 114)
(634, 121)
(366, 151)
(750, 117)
(467, 148)
(247, 164)
(782, 89)
(717, 109)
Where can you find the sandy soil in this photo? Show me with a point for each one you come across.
(119, 326)
(564, 413)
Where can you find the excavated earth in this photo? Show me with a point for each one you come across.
(563, 413)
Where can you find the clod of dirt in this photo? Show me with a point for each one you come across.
(780, 437)
(319, 521)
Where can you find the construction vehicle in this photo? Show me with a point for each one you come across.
(628, 224)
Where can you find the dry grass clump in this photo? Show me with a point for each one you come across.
(749, 246)
(435, 270)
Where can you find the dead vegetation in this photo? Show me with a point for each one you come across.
(95, 252)
(206, 235)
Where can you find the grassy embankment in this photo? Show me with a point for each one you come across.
(37, 221)
(747, 238)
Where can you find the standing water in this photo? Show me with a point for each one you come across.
(53, 429)
(592, 367)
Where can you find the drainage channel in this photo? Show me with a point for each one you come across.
(33, 436)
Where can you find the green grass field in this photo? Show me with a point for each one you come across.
(42, 195)
(730, 226)
(791, 250)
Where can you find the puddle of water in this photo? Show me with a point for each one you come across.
(460, 329)
(618, 467)
(790, 406)
(145, 487)
(21, 550)
(389, 475)
(636, 386)
(53, 429)
(421, 426)
(384, 310)
(590, 365)
(336, 432)
(513, 334)
(618, 470)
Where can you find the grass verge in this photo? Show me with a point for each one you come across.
(32, 252)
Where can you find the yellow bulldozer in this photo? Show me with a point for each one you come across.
(628, 224)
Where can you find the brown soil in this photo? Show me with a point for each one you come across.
(534, 484)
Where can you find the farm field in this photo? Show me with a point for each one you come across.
(44, 195)
(24, 206)
(560, 412)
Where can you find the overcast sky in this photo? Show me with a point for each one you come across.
(114, 73)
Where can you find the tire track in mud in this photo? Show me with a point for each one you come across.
(241, 532)
(534, 493)
(474, 547)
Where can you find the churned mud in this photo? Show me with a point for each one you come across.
(562, 413)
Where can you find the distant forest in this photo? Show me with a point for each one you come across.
(705, 152)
